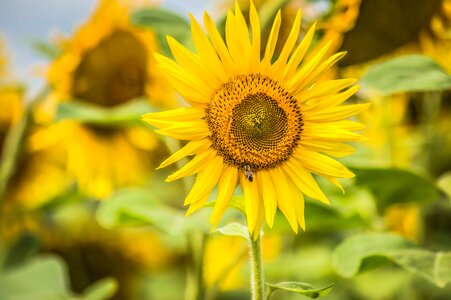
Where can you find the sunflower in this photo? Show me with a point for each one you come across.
(106, 63)
(261, 123)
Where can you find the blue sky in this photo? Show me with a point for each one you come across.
(25, 21)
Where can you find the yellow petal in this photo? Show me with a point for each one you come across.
(193, 207)
(189, 149)
(321, 164)
(299, 53)
(206, 51)
(298, 201)
(319, 70)
(251, 201)
(327, 88)
(218, 43)
(192, 62)
(335, 182)
(330, 148)
(296, 83)
(330, 100)
(195, 165)
(289, 44)
(268, 195)
(256, 39)
(184, 83)
(206, 180)
(336, 113)
(186, 130)
(167, 118)
(272, 40)
(285, 200)
(226, 187)
(305, 181)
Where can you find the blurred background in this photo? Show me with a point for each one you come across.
(85, 215)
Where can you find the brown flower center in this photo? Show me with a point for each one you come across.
(254, 122)
(113, 72)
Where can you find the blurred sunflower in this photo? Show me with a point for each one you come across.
(39, 175)
(107, 63)
(223, 269)
(265, 125)
(436, 40)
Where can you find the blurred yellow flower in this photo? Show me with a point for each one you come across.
(436, 41)
(223, 269)
(39, 175)
(404, 219)
(107, 62)
(265, 125)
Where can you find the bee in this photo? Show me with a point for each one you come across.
(248, 173)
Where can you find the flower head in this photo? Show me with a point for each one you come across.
(262, 123)
(106, 63)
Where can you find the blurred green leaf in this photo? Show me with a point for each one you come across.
(350, 255)
(299, 288)
(46, 49)
(19, 251)
(444, 183)
(164, 23)
(234, 229)
(138, 207)
(45, 278)
(102, 289)
(410, 73)
(130, 112)
(328, 218)
(392, 185)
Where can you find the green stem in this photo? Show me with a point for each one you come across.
(257, 276)
(195, 289)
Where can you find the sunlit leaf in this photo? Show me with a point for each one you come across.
(45, 278)
(299, 288)
(234, 229)
(444, 183)
(102, 289)
(138, 207)
(163, 23)
(392, 185)
(130, 112)
(369, 248)
(410, 73)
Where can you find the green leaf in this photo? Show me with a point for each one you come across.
(234, 229)
(412, 73)
(299, 288)
(327, 218)
(19, 251)
(392, 185)
(164, 23)
(45, 278)
(139, 207)
(102, 289)
(46, 49)
(444, 183)
(349, 257)
(130, 112)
